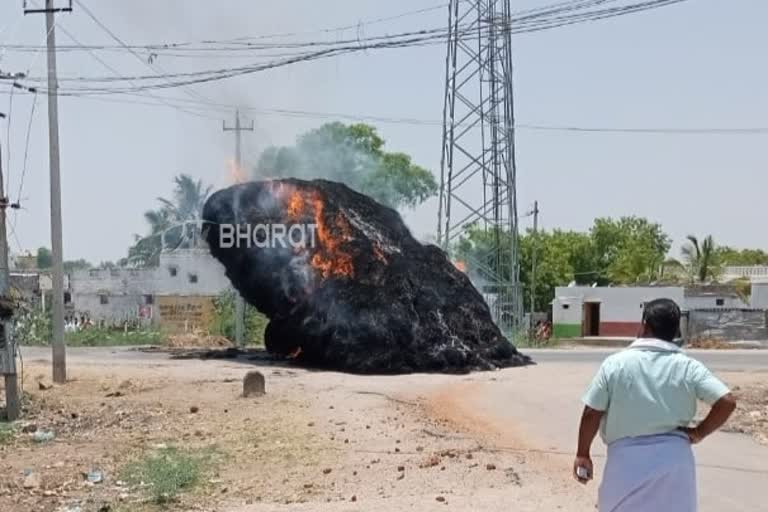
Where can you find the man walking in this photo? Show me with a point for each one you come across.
(643, 400)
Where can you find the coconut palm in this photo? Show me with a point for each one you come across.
(174, 223)
(700, 258)
(189, 197)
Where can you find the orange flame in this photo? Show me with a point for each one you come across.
(236, 173)
(296, 206)
(330, 259)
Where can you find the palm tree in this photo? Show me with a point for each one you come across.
(189, 197)
(700, 258)
(175, 222)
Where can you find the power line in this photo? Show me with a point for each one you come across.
(531, 21)
(223, 107)
(26, 150)
(16, 85)
(202, 104)
(551, 16)
(124, 45)
(23, 172)
(117, 73)
(668, 131)
(240, 41)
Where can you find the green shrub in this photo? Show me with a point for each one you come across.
(7, 433)
(224, 320)
(167, 472)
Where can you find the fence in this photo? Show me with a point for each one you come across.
(751, 272)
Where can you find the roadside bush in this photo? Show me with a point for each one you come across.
(224, 320)
(168, 472)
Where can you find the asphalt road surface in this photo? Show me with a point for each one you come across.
(716, 360)
(542, 405)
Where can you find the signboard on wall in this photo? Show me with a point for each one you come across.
(184, 314)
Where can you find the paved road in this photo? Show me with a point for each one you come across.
(540, 406)
(717, 360)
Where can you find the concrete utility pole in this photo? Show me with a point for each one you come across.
(535, 248)
(238, 128)
(57, 251)
(7, 346)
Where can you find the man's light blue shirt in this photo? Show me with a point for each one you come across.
(650, 388)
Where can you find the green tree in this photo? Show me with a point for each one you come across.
(623, 251)
(701, 259)
(741, 257)
(169, 220)
(629, 250)
(44, 258)
(353, 155)
(561, 257)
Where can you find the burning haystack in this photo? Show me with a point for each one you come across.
(345, 285)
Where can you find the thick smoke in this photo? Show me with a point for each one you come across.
(352, 155)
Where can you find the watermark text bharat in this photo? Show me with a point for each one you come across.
(267, 236)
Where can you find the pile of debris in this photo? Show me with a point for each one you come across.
(346, 286)
(751, 416)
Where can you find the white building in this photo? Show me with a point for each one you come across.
(713, 296)
(604, 311)
(579, 311)
(184, 280)
(759, 299)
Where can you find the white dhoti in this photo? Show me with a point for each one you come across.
(649, 474)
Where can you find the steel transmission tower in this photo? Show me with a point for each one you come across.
(478, 173)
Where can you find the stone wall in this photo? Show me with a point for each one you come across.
(127, 295)
(730, 325)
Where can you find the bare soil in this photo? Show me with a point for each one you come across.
(751, 415)
(317, 441)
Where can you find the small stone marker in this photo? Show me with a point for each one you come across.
(253, 384)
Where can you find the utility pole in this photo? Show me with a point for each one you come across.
(57, 251)
(238, 128)
(7, 346)
(534, 250)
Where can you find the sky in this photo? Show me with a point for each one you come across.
(697, 64)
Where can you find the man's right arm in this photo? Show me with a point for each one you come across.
(596, 400)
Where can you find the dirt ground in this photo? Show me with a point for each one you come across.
(315, 441)
(751, 416)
